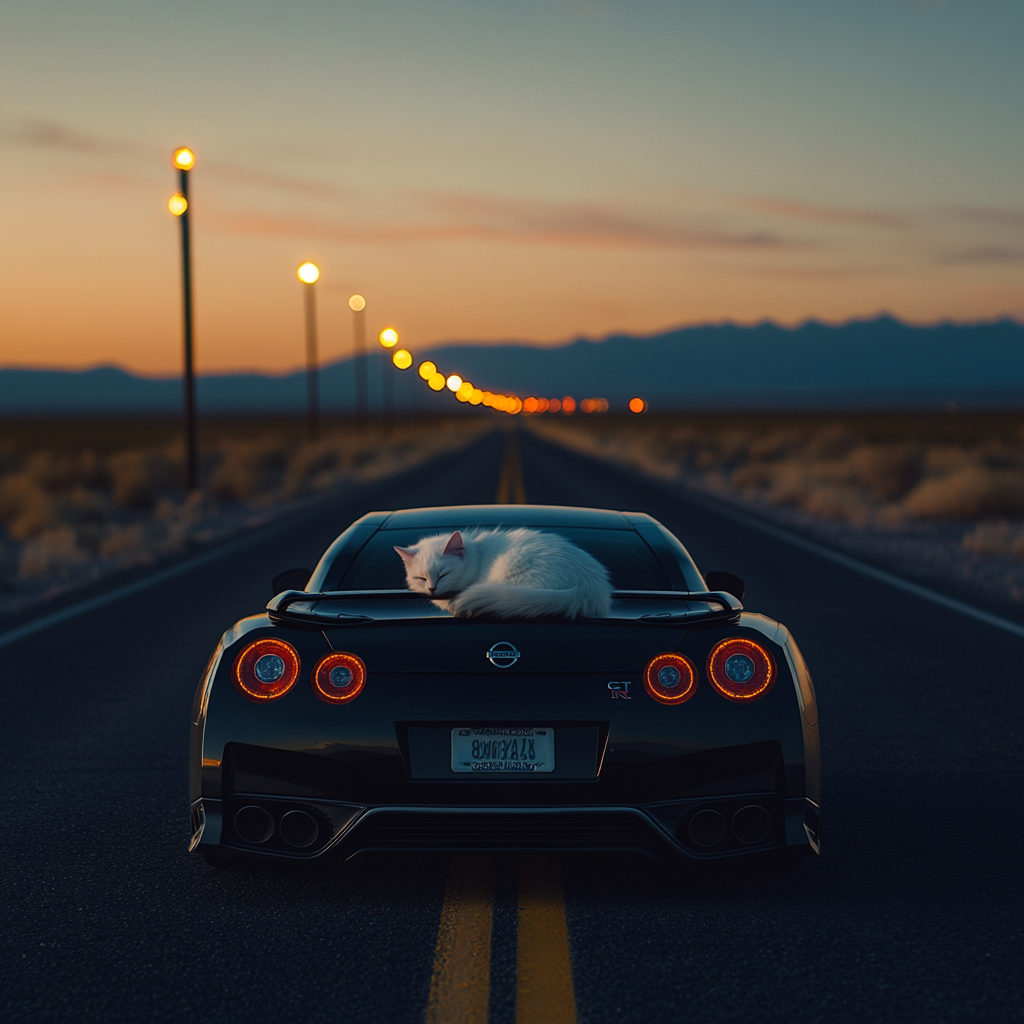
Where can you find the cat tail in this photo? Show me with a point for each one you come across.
(510, 602)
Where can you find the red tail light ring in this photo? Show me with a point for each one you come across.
(338, 677)
(670, 678)
(741, 670)
(266, 669)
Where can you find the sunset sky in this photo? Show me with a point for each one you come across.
(493, 171)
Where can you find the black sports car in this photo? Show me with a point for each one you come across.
(354, 715)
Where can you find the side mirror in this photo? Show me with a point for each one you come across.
(716, 580)
(291, 579)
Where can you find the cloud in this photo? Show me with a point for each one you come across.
(984, 254)
(502, 221)
(47, 135)
(585, 224)
(824, 214)
(995, 216)
(267, 179)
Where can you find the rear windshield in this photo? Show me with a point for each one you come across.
(623, 553)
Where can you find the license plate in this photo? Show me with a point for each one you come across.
(522, 750)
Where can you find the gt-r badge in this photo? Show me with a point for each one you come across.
(620, 691)
(503, 654)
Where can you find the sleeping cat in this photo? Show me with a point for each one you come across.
(508, 573)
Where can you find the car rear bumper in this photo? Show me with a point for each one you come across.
(265, 828)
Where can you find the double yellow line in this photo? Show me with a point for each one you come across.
(460, 986)
(510, 483)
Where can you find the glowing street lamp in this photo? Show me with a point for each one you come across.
(402, 359)
(637, 405)
(309, 274)
(183, 160)
(454, 382)
(358, 305)
(436, 382)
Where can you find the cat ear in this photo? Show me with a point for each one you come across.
(455, 546)
(408, 554)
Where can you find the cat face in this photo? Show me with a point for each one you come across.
(435, 565)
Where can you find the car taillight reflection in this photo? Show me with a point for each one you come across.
(338, 677)
(670, 678)
(266, 669)
(740, 669)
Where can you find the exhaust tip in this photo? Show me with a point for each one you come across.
(299, 829)
(751, 824)
(707, 828)
(254, 825)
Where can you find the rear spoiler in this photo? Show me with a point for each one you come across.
(352, 607)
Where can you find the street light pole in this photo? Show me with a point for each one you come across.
(184, 160)
(309, 274)
(358, 306)
(388, 339)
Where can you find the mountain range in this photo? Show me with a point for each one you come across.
(881, 362)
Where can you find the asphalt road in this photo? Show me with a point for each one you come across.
(914, 911)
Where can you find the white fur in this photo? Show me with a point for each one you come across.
(508, 573)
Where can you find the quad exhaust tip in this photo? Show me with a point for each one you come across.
(299, 829)
(750, 825)
(255, 825)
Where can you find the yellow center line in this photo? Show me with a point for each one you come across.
(461, 983)
(510, 483)
(544, 992)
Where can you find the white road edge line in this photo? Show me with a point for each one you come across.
(73, 611)
(722, 506)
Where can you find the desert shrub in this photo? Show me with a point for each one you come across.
(970, 493)
(837, 502)
(248, 469)
(52, 551)
(310, 461)
(830, 442)
(888, 471)
(778, 445)
(139, 475)
(124, 541)
(26, 508)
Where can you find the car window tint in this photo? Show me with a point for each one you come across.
(630, 561)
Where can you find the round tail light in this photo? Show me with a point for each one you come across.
(670, 678)
(338, 677)
(266, 669)
(741, 670)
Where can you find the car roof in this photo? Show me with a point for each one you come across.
(505, 515)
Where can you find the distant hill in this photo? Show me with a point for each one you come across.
(873, 363)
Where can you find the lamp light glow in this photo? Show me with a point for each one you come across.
(308, 273)
(568, 405)
(436, 382)
(427, 369)
(637, 405)
(389, 337)
(356, 303)
(402, 359)
(177, 204)
(464, 391)
(454, 382)
(184, 159)
(477, 397)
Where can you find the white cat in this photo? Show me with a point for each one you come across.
(508, 573)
